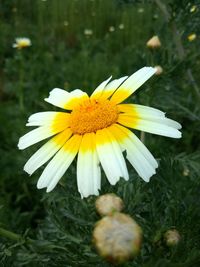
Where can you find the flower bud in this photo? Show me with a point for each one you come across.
(172, 237)
(159, 70)
(117, 237)
(154, 42)
(108, 203)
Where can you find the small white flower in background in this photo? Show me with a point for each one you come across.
(21, 43)
(154, 42)
(155, 16)
(66, 23)
(159, 70)
(97, 129)
(111, 29)
(141, 10)
(121, 26)
(186, 171)
(88, 32)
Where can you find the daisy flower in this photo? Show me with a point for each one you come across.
(22, 43)
(96, 128)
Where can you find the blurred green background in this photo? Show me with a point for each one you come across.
(78, 44)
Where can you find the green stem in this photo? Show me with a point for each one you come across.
(142, 137)
(15, 237)
(10, 235)
(179, 46)
(21, 79)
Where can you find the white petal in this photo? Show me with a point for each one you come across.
(137, 154)
(116, 83)
(163, 126)
(58, 97)
(148, 114)
(35, 136)
(142, 110)
(42, 118)
(110, 156)
(88, 170)
(63, 99)
(144, 151)
(112, 87)
(98, 91)
(139, 162)
(132, 84)
(163, 121)
(158, 128)
(59, 164)
(46, 151)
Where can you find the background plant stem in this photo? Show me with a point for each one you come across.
(178, 42)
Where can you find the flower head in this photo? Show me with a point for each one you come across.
(96, 128)
(22, 43)
(154, 42)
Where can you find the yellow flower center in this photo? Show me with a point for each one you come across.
(92, 115)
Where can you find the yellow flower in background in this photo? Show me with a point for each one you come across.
(192, 37)
(154, 42)
(193, 9)
(96, 128)
(22, 43)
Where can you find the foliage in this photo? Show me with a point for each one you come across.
(55, 229)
